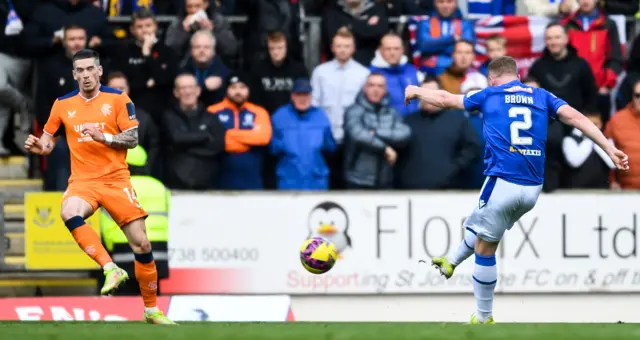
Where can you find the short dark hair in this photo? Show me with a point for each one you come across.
(142, 13)
(503, 65)
(86, 54)
(554, 24)
(530, 79)
(430, 79)
(116, 75)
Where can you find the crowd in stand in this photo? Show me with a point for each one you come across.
(211, 120)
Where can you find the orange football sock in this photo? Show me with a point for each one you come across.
(88, 240)
(147, 277)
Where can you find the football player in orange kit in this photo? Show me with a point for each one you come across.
(100, 125)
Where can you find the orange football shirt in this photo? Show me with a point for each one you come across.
(113, 112)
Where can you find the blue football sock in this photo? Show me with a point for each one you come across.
(465, 249)
(485, 277)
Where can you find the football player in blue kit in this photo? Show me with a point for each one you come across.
(515, 117)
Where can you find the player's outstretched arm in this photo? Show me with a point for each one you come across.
(572, 117)
(439, 98)
(40, 146)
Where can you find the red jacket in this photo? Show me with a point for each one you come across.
(599, 45)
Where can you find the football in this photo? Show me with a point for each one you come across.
(318, 255)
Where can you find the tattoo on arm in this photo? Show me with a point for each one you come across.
(125, 140)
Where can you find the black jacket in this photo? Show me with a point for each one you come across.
(216, 68)
(367, 36)
(54, 80)
(11, 44)
(569, 78)
(272, 84)
(160, 65)
(53, 15)
(148, 138)
(442, 146)
(194, 145)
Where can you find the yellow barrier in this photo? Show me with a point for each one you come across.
(48, 243)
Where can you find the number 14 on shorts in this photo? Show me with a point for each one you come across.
(131, 195)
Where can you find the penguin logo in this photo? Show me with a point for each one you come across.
(330, 221)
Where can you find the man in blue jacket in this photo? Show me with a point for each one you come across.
(438, 34)
(301, 134)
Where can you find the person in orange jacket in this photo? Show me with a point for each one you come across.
(248, 133)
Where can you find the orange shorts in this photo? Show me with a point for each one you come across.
(117, 197)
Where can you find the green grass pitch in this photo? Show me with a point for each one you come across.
(314, 331)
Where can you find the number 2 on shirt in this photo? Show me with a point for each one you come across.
(520, 125)
(131, 194)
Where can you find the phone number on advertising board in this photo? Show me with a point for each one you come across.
(214, 255)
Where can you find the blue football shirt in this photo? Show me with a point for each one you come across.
(515, 117)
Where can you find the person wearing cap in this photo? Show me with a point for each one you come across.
(154, 198)
(301, 136)
(248, 133)
(443, 146)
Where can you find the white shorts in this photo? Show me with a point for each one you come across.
(501, 204)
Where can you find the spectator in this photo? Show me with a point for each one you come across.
(443, 147)
(266, 16)
(623, 130)
(496, 47)
(149, 65)
(248, 131)
(366, 19)
(301, 134)
(546, 8)
(336, 84)
(373, 134)
(148, 136)
(391, 62)
(44, 33)
(596, 39)
(198, 15)
(195, 140)
(589, 165)
(14, 64)
(451, 79)
(438, 35)
(473, 177)
(207, 67)
(275, 74)
(561, 72)
(55, 80)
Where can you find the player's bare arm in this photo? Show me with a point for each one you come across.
(440, 98)
(572, 117)
(125, 140)
(40, 146)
